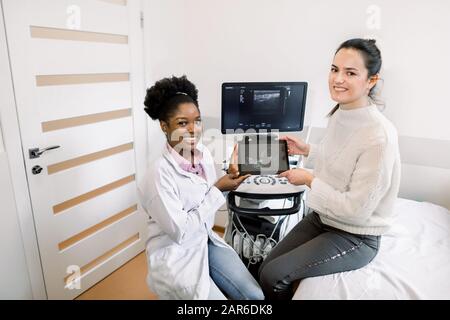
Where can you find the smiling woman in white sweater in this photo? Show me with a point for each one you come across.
(353, 186)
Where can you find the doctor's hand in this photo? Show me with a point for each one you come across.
(230, 182)
(296, 146)
(233, 167)
(298, 176)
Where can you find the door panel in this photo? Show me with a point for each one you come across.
(94, 246)
(102, 136)
(95, 15)
(87, 214)
(60, 102)
(71, 66)
(94, 57)
(106, 170)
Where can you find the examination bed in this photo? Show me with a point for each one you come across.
(413, 261)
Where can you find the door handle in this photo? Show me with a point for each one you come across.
(36, 152)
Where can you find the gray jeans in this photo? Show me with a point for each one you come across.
(313, 249)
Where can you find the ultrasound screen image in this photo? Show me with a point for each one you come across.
(266, 101)
(263, 106)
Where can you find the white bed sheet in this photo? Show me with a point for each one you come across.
(413, 261)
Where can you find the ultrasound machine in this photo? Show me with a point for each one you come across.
(256, 112)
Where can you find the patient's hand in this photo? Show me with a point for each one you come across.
(296, 146)
(298, 176)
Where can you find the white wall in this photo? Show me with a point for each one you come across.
(215, 41)
(14, 280)
(20, 271)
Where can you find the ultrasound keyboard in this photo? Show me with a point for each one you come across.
(268, 184)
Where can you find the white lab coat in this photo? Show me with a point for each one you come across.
(181, 207)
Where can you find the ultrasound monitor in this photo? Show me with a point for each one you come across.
(263, 106)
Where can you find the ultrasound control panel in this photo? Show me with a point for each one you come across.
(268, 184)
(261, 180)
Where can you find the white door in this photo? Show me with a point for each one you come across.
(71, 66)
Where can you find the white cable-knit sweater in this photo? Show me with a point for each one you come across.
(357, 172)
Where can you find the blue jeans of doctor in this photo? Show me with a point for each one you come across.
(231, 276)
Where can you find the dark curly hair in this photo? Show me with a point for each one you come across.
(164, 97)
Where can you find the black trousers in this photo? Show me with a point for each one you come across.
(313, 249)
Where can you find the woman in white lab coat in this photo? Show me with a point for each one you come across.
(181, 194)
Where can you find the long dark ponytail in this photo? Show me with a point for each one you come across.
(372, 60)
